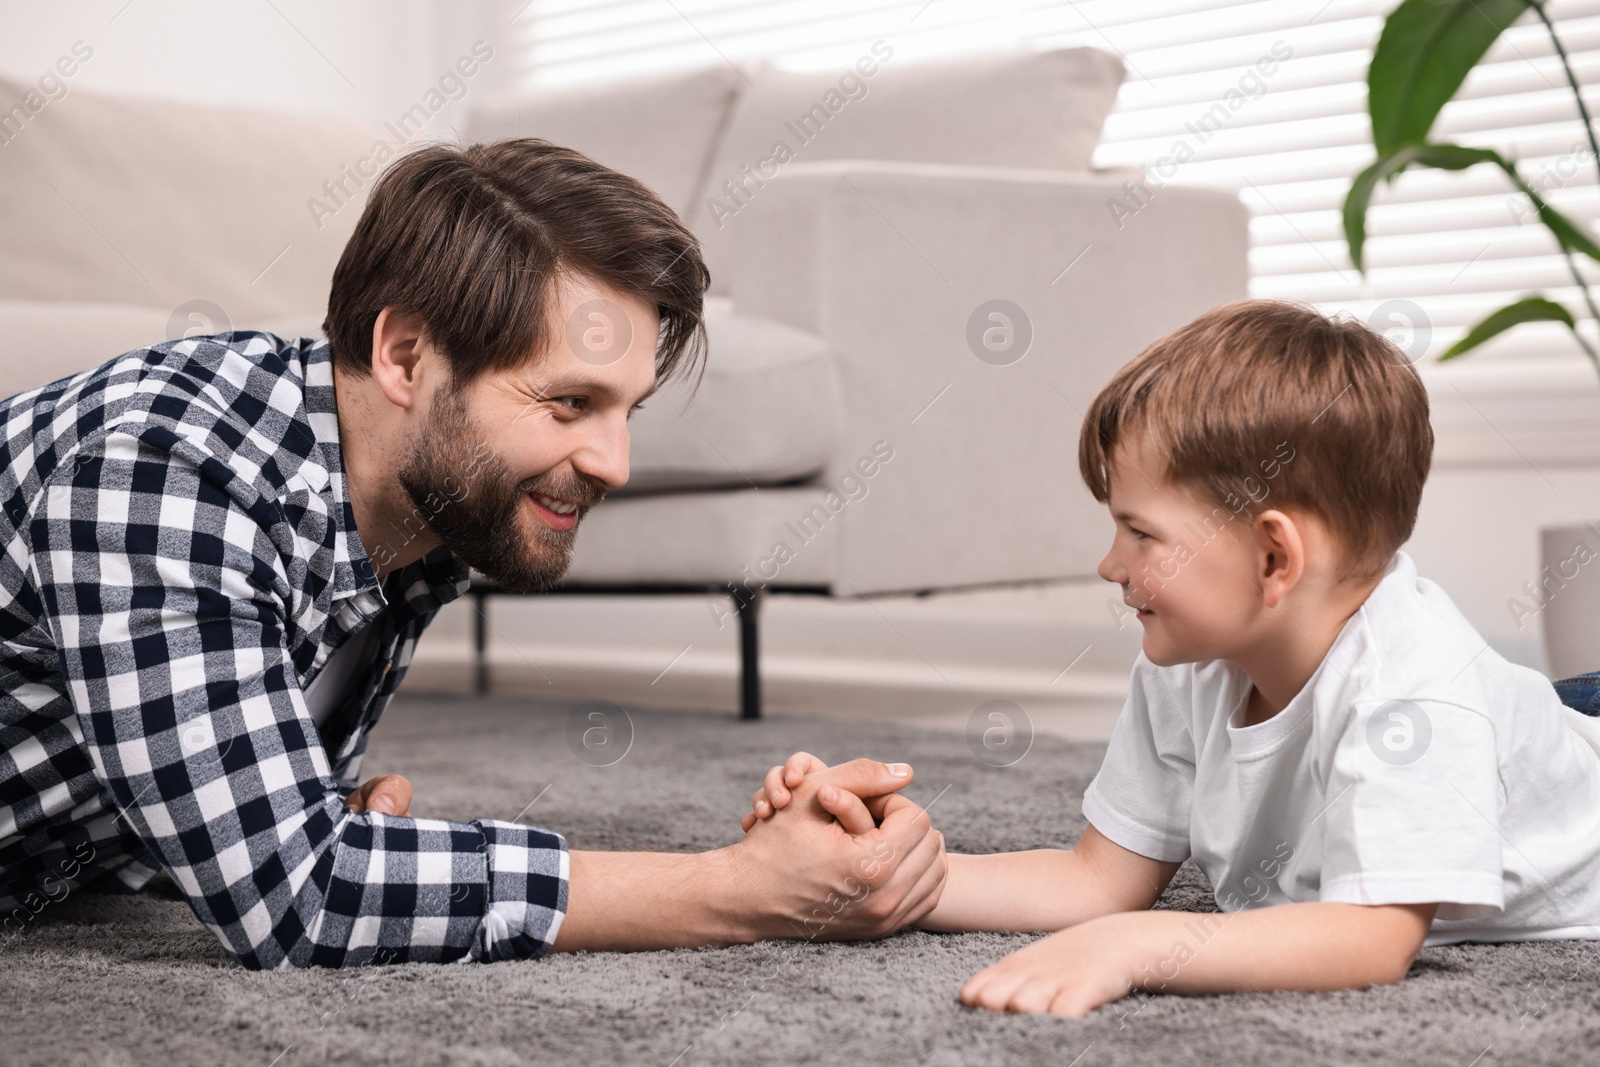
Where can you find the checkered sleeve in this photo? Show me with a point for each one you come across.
(171, 604)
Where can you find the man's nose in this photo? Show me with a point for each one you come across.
(605, 456)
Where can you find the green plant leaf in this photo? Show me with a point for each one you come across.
(1569, 233)
(1423, 55)
(1528, 309)
(1386, 168)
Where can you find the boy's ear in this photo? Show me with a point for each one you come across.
(1281, 555)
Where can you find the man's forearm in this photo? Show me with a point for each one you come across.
(1310, 946)
(626, 901)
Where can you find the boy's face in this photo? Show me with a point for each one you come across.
(1180, 560)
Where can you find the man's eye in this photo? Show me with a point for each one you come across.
(574, 403)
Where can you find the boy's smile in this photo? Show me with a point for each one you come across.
(1211, 580)
(1182, 564)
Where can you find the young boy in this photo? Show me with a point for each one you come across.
(1354, 769)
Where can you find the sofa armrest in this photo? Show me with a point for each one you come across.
(891, 262)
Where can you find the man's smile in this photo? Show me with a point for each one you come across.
(553, 512)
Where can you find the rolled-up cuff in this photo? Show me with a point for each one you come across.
(527, 881)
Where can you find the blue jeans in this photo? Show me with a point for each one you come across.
(1581, 692)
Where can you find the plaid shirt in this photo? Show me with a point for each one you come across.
(180, 560)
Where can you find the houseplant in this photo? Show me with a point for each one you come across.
(1424, 53)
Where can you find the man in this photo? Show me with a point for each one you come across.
(220, 554)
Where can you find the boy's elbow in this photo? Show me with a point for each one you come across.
(1392, 971)
(1399, 936)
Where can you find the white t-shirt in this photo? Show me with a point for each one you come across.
(335, 683)
(1416, 765)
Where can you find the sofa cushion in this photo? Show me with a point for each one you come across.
(661, 130)
(767, 411)
(42, 340)
(752, 538)
(147, 202)
(1039, 110)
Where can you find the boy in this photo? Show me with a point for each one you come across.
(1317, 727)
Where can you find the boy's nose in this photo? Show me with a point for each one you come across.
(1110, 571)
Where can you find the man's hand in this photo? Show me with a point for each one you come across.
(825, 869)
(799, 874)
(388, 794)
(862, 778)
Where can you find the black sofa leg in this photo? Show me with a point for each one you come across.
(480, 644)
(748, 605)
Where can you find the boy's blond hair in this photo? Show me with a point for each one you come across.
(1226, 398)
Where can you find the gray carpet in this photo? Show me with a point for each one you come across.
(104, 980)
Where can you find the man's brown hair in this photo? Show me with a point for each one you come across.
(1224, 399)
(472, 238)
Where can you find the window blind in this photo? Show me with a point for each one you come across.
(1444, 248)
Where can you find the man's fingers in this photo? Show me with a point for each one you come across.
(389, 795)
(904, 824)
(847, 808)
(918, 881)
(924, 895)
(869, 778)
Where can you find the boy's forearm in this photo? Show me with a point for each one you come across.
(1045, 889)
(1310, 946)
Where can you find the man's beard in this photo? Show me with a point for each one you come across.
(472, 503)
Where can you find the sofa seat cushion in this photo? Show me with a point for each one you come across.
(661, 130)
(753, 538)
(767, 411)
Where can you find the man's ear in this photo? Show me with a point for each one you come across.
(1281, 555)
(400, 352)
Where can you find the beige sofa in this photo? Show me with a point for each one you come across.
(871, 420)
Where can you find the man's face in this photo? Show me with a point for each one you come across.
(505, 468)
(1180, 560)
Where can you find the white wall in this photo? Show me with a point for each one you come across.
(359, 59)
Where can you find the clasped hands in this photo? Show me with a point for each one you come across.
(838, 853)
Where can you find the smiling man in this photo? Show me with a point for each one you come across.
(220, 554)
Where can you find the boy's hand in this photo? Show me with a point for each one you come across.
(1070, 973)
(389, 794)
(843, 789)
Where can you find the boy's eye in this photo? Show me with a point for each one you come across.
(635, 410)
(1139, 535)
